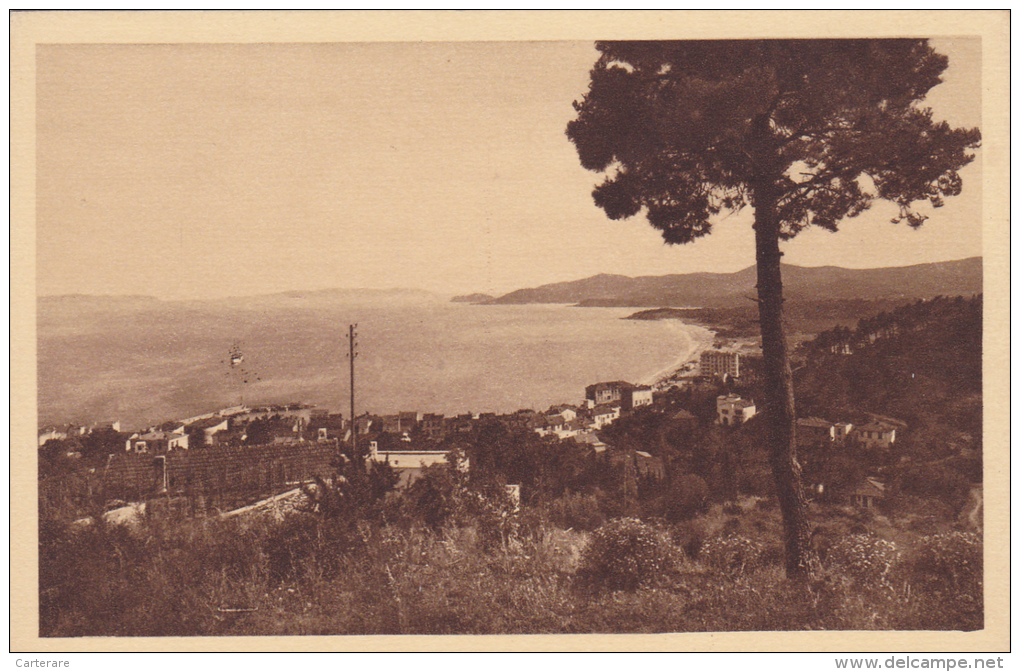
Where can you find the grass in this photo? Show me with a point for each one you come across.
(306, 576)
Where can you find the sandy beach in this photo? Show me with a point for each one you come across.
(696, 338)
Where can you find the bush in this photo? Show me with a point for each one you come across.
(578, 512)
(939, 482)
(865, 559)
(944, 576)
(625, 554)
(496, 514)
(690, 535)
(951, 560)
(437, 496)
(687, 498)
(733, 554)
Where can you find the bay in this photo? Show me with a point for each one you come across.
(150, 361)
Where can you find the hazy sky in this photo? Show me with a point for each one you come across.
(185, 171)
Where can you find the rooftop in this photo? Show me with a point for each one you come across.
(877, 427)
(814, 422)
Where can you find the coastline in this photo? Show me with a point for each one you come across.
(699, 339)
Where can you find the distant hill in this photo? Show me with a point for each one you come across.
(723, 290)
(920, 362)
(295, 298)
(99, 302)
(473, 298)
(331, 297)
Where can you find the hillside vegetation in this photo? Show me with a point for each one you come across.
(600, 541)
(920, 362)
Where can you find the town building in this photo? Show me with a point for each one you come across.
(589, 438)
(548, 425)
(105, 426)
(210, 427)
(51, 434)
(635, 396)
(177, 441)
(364, 423)
(643, 463)
(603, 415)
(605, 393)
(460, 424)
(876, 434)
(627, 395)
(867, 493)
(732, 410)
(720, 363)
(565, 411)
(156, 442)
(685, 418)
(391, 424)
(814, 431)
(842, 431)
(409, 464)
(433, 426)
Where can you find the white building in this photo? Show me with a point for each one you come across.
(876, 435)
(720, 363)
(51, 433)
(408, 463)
(732, 410)
(638, 395)
(603, 415)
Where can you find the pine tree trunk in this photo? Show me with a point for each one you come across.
(779, 414)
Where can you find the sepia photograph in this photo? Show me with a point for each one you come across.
(617, 333)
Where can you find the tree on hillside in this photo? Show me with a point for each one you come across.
(806, 132)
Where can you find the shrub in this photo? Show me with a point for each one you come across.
(951, 560)
(865, 559)
(576, 511)
(290, 543)
(939, 482)
(690, 535)
(687, 498)
(733, 554)
(627, 553)
(496, 515)
(437, 496)
(301, 543)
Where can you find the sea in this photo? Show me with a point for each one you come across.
(148, 362)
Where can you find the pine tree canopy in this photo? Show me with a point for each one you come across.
(688, 129)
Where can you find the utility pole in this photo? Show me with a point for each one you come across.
(352, 341)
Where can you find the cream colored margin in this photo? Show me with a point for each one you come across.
(30, 29)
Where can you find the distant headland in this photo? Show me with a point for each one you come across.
(733, 290)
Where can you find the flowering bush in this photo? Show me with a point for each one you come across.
(864, 559)
(948, 560)
(627, 553)
(732, 553)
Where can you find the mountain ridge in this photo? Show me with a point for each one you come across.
(357, 294)
(800, 283)
(698, 289)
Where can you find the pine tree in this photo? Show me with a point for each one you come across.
(806, 132)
